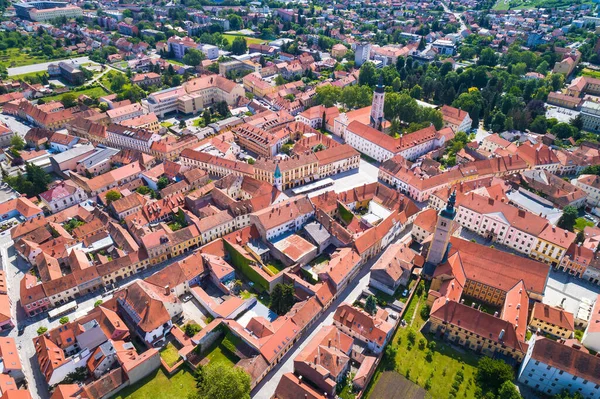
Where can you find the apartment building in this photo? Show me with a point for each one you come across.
(551, 367)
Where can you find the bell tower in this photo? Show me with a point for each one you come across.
(377, 105)
(278, 179)
(438, 250)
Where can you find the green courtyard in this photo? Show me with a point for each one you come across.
(158, 386)
(170, 354)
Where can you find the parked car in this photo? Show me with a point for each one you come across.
(405, 293)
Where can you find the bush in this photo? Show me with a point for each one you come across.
(98, 303)
(42, 330)
(192, 329)
(425, 312)
(63, 320)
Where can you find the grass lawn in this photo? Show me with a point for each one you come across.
(26, 75)
(14, 57)
(249, 40)
(246, 294)
(590, 72)
(169, 354)
(93, 92)
(158, 386)
(274, 266)
(445, 362)
(221, 355)
(166, 124)
(107, 78)
(582, 223)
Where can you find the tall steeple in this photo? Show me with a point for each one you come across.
(278, 179)
(377, 105)
(438, 250)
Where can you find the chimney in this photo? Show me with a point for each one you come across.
(167, 290)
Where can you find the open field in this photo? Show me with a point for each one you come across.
(158, 386)
(527, 4)
(392, 385)
(411, 361)
(249, 40)
(14, 57)
(93, 92)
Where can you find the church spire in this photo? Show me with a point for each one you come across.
(377, 105)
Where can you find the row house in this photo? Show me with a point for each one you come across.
(395, 173)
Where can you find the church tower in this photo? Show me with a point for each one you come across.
(377, 105)
(278, 179)
(438, 250)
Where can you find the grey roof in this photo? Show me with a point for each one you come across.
(72, 153)
(99, 155)
(317, 232)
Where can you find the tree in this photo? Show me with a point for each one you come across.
(564, 130)
(206, 116)
(42, 330)
(279, 80)
(282, 298)
(239, 46)
(371, 305)
(328, 95)
(221, 381)
(509, 391)
(63, 320)
(487, 57)
(192, 329)
(162, 182)
(182, 124)
(539, 125)
(117, 82)
(112, 196)
(193, 57)
(235, 22)
(568, 218)
(491, 374)
(416, 92)
(98, 303)
(68, 100)
(17, 142)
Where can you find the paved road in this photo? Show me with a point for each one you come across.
(457, 15)
(15, 125)
(266, 389)
(44, 66)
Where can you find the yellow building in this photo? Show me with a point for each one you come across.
(552, 244)
(478, 331)
(552, 320)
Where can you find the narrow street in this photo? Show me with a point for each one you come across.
(266, 388)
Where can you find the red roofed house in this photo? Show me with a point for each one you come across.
(392, 269)
(325, 360)
(552, 320)
(357, 323)
(456, 119)
(63, 195)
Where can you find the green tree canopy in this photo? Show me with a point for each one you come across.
(568, 218)
(221, 381)
(282, 298)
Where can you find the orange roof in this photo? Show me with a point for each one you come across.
(553, 315)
